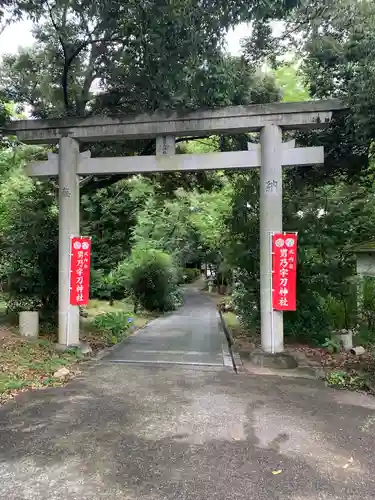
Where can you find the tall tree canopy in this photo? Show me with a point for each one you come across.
(114, 57)
(137, 55)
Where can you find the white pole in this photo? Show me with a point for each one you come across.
(270, 222)
(68, 226)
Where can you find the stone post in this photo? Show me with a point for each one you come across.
(270, 222)
(68, 226)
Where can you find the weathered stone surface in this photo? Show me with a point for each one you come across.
(226, 120)
(62, 372)
(85, 348)
(280, 360)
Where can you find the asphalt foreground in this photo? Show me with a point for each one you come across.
(138, 431)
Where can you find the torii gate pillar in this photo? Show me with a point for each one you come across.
(68, 159)
(271, 220)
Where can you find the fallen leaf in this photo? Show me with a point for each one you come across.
(275, 472)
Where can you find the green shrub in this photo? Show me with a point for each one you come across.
(346, 380)
(341, 309)
(110, 286)
(29, 252)
(173, 300)
(153, 281)
(245, 302)
(332, 345)
(309, 322)
(364, 336)
(190, 274)
(100, 286)
(120, 279)
(115, 325)
(336, 313)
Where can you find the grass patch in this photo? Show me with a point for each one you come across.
(96, 307)
(346, 380)
(233, 323)
(31, 365)
(97, 338)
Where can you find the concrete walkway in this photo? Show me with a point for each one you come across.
(190, 336)
(126, 431)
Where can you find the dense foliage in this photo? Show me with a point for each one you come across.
(153, 281)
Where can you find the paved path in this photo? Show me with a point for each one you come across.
(143, 432)
(189, 336)
(126, 431)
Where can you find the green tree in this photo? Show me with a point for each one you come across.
(141, 56)
(9, 12)
(209, 212)
(164, 224)
(329, 219)
(291, 82)
(28, 213)
(5, 114)
(108, 215)
(340, 61)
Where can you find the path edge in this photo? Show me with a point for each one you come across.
(235, 357)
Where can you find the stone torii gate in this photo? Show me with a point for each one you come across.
(270, 156)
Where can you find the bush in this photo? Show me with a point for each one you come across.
(115, 325)
(174, 300)
(100, 286)
(149, 276)
(310, 322)
(111, 286)
(153, 281)
(341, 307)
(245, 301)
(190, 274)
(29, 251)
(335, 311)
(345, 380)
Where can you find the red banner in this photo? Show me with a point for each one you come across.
(80, 250)
(284, 271)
